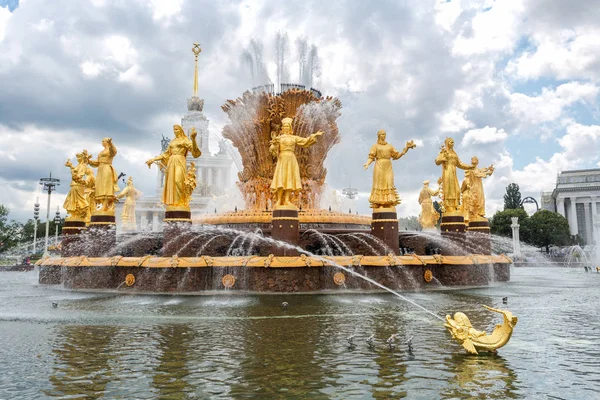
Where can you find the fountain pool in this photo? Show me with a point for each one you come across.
(243, 346)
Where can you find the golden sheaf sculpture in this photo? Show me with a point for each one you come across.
(473, 340)
(173, 162)
(256, 118)
(383, 192)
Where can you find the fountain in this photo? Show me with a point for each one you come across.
(281, 241)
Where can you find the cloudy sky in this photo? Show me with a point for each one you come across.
(514, 82)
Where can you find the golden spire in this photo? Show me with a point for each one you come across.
(196, 50)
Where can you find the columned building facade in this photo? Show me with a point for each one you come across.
(577, 198)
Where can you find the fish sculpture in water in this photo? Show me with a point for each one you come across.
(473, 340)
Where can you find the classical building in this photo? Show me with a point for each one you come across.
(577, 197)
(213, 171)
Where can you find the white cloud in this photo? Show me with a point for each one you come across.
(165, 9)
(91, 69)
(5, 15)
(564, 55)
(483, 136)
(550, 104)
(494, 30)
(135, 77)
(120, 50)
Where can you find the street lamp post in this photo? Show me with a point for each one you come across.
(49, 185)
(36, 216)
(56, 223)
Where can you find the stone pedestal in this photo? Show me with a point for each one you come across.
(478, 235)
(285, 228)
(384, 226)
(101, 237)
(177, 227)
(71, 231)
(453, 228)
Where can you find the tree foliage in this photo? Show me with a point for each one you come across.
(512, 197)
(547, 228)
(13, 233)
(501, 221)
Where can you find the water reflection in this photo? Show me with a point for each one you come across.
(172, 370)
(82, 361)
(474, 375)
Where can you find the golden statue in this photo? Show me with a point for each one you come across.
(190, 183)
(383, 193)
(76, 202)
(450, 188)
(472, 340)
(90, 191)
(429, 217)
(473, 196)
(131, 194)
(173, 162)
(286, 178)
(106, 178)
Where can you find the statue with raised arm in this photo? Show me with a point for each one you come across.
(429, 217)
(106, 178)
(173, 162)
(383, 192)
(131, 194)
(476, 198)
(286, 178)
(76, 202)
(449, 161)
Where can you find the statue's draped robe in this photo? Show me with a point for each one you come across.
(450, 161)
(175, 171)
(287, 171)
(476, 192)
(106, 178)
(130, 193)
(76, 202)
(383, 192)
(428, 216)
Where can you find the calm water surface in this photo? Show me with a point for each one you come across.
(245, 347)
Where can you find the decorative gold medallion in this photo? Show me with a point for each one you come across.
(228, 281)
(339, 278)
(428, 275)
(129, 280)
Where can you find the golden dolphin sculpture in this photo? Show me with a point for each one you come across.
(472, 340)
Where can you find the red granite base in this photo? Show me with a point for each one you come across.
(271, 280)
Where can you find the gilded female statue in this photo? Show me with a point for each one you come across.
(475, 205)
(131, 194)
(76, 202)
(286, 178)
(173, 162)
(450, 161)
(429, 217)
(106, 178)
(383, 192)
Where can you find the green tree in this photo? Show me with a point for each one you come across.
(11, 232)
(41, 231)
(512, 197)
(547, 228)
(501, 222)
